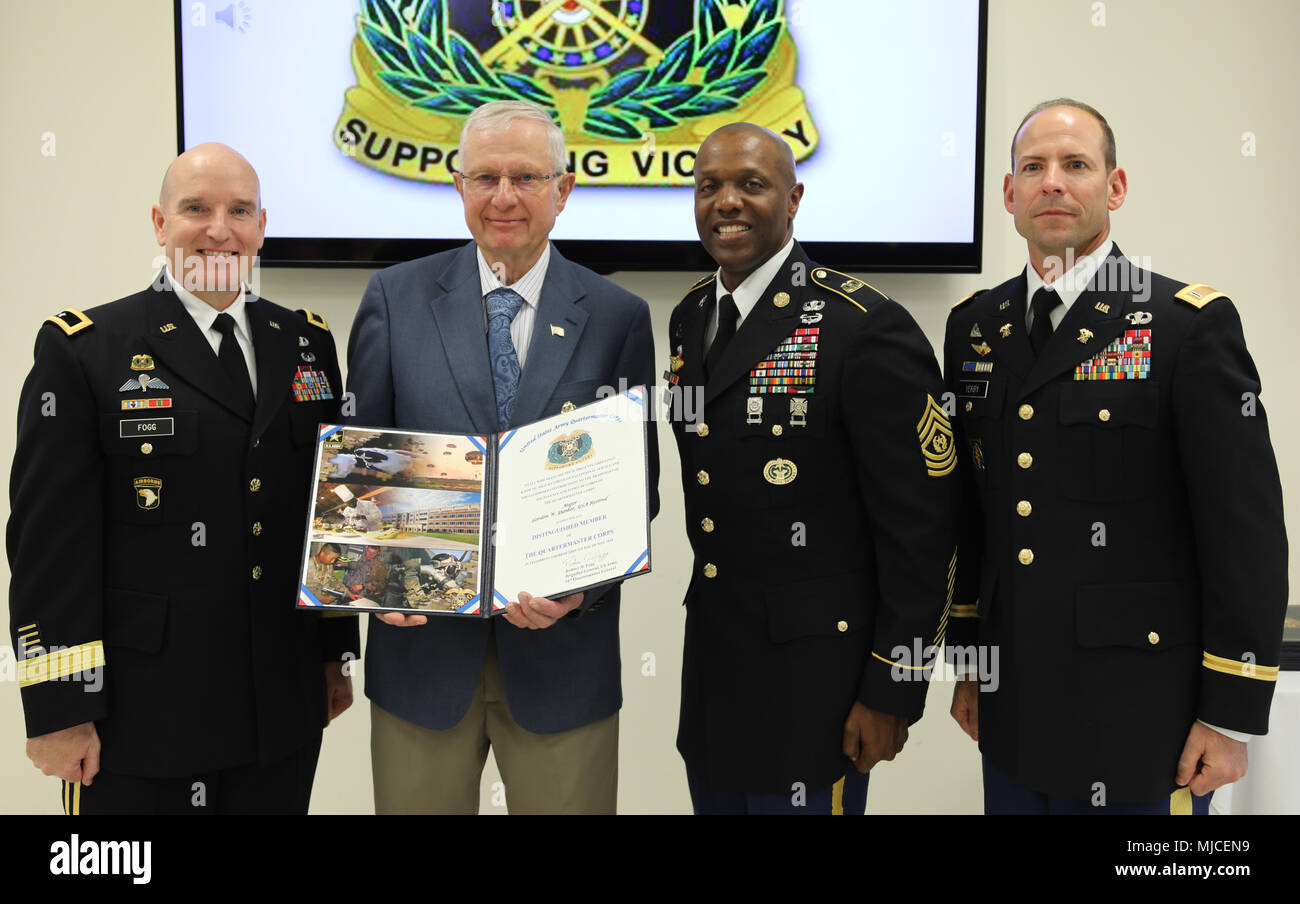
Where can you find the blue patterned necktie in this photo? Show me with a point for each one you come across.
(502, 306)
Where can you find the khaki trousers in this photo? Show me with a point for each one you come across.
(421, 770)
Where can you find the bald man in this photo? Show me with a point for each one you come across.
(167, 438)
(818, 504)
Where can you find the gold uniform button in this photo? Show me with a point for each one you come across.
(146, 448)
(257, 528)
(710, 570)
(777, 430)
(703, 478)
(255, 484)
(702, 430)
(1026, 412)
(257, 572)
(1023, 508)
(707, 525)
(1024, 459)
(842, 626)
(1153, 638)
(1104, 414)
(1026, 557)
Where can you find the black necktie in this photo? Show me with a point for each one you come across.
(728, 314)
(232, 360)
(1044, 301)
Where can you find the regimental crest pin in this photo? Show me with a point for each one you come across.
(975, 331)
(148, 492)
(141, 362)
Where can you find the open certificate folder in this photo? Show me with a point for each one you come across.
(459, 525)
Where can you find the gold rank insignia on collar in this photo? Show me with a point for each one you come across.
(273, 325)
(1101, 306)
(141, 362)
(166, 328)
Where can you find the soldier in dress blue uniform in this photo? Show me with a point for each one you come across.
(168, 437)
(819, 496)
(1122, 545)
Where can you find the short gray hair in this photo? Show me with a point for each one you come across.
(1109, 136)
(499, 114)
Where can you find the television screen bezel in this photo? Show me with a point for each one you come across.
(612, 255)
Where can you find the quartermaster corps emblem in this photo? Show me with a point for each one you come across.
(636, 85)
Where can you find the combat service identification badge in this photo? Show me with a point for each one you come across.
(935, 433)
(148, 492)
(780, 471)
(633, 83)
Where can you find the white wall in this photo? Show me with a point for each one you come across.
(1179, 81)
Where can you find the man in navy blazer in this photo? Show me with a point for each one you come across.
(540, 685)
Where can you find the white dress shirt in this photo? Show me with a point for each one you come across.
(748, 293)
(205, 315)
(529, 287)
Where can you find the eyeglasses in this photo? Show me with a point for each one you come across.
(524, 183)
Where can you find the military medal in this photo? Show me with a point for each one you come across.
(311, 385)
(977, 367)
(791, 366)
(780, 471)
(798, 412)
(1126, 358)
(138, 404)
(754, 410)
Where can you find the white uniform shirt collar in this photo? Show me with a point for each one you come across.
(204, 314)
(748, 293)
(1068, 286)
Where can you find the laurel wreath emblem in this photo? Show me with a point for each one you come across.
(706, 71)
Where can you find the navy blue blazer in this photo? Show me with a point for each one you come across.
(418, 359)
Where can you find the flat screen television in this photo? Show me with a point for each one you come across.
(350, 110)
